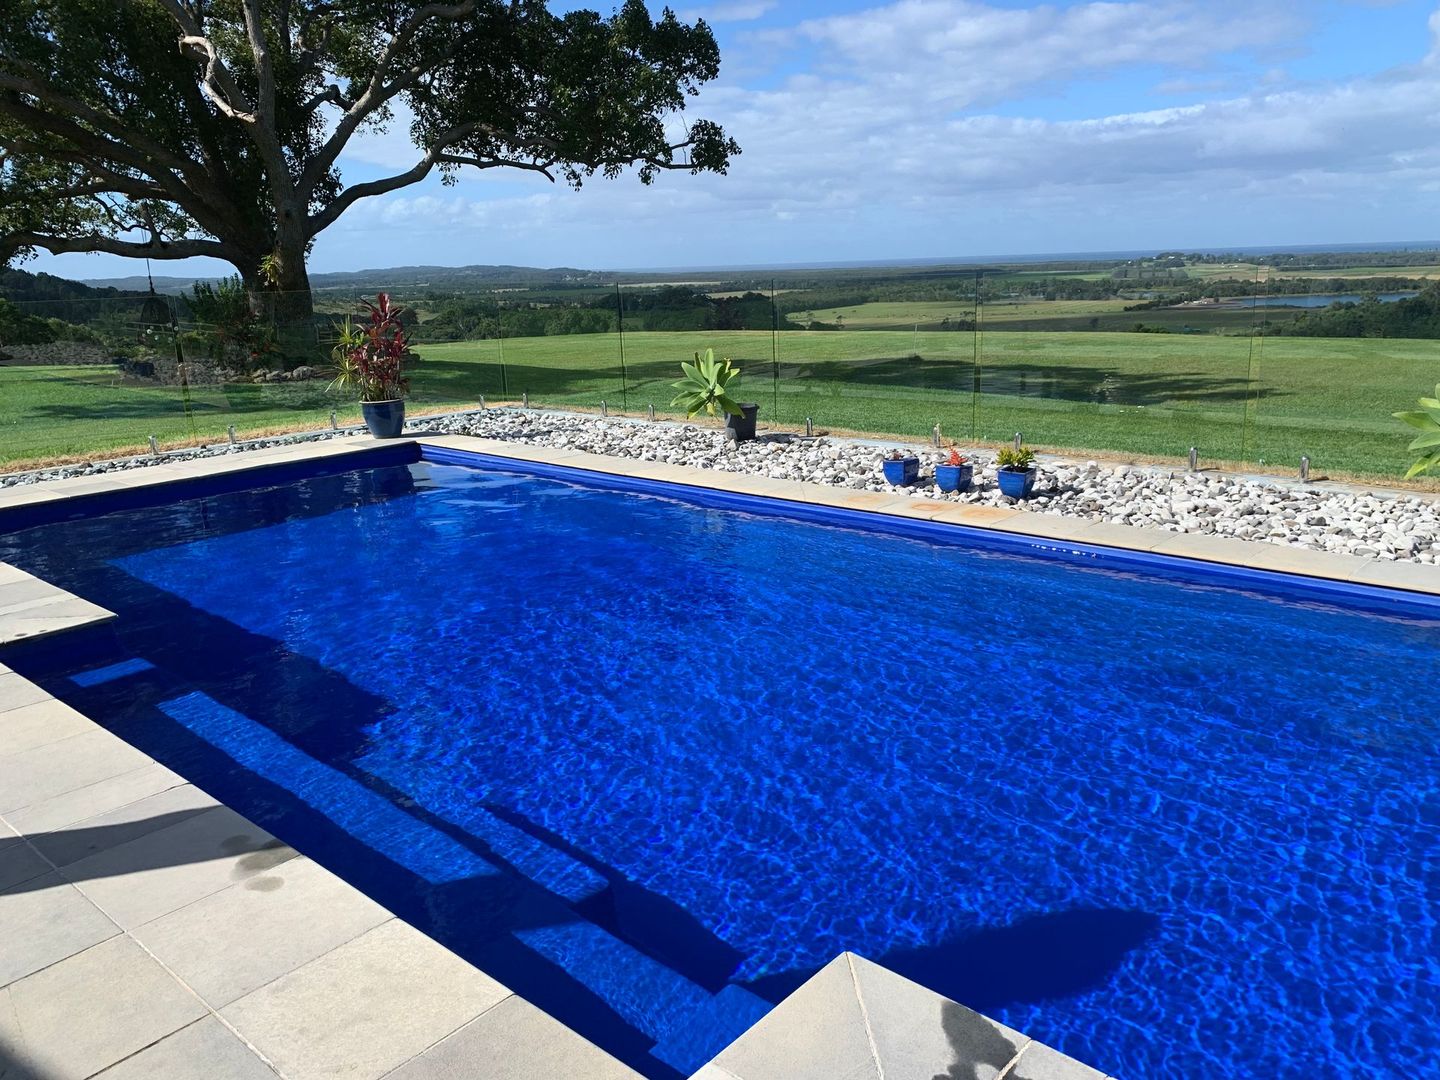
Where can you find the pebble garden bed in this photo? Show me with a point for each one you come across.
(1378, 525)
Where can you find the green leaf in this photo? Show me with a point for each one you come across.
(1425, 464)
(1430, 439)
(1420, 420)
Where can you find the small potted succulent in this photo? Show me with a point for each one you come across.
(1015, 470)
(901, 468)
(954, 473)
(368, 358)
(706, 387)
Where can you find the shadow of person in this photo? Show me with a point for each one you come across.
(1054, 955)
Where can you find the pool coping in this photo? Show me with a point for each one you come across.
(811, 1015)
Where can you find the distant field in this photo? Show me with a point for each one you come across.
(1034, 315)
(1235, 398)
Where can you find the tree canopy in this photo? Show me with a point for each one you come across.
(166, 129)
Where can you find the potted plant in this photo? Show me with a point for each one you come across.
(901, 468)
(706, 387)
(368, 358)
(1015, 470)
(954, 473)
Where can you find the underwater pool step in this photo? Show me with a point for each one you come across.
(544, 864)
(647, 994)
(702, 1034)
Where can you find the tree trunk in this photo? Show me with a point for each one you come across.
(279, 290)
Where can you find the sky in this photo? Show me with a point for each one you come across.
(938, 128)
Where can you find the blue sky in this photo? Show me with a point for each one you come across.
(926, 128)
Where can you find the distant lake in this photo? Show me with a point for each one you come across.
(1311, 300)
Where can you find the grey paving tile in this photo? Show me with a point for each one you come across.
(237, 940)
(45, 920)
(17, 692)
(916, 1032)
(94, 799)
(43, 772)
(206, 1050)
(43, 722)
(365, 1008)
(817, 1033)
(1041, 1062)
(72, 1019)
(57, 616)
(25, 590)
(514, 1041)
(81, 839)
(20, 862)
(164, 870)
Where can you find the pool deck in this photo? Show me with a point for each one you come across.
(149, 931)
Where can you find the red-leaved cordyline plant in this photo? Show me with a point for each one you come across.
(369, 354)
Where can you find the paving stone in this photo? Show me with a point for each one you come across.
(365, 1008)
(164, 870)
(36, 725)
(1041, 1062)
(72, 1019)
(20, 862)
(45, 920)
(43, 772)
(514, 1041)
(17, 593)
(94, 799)
(82, 839)
(237, 940)
(206, 1050)
(817, 1033)
(17, 692)
(916, 1032)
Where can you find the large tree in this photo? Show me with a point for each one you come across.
(166, 129)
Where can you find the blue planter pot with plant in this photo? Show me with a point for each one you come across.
(368, 358)
(385, 419)
(954, 474)
(901, 469)
(1015, 472)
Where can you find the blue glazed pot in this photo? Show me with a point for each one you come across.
(902, 472)
(385, 419)
(954, 477)
(1016, 483)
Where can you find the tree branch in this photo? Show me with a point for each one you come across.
(376, 92)
(154, 248)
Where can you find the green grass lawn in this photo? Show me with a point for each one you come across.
(1235, 398)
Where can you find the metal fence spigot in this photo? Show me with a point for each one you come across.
(1194, 459)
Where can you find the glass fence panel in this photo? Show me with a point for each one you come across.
(557, 345)
(670, 323)
(1129, 360)
(1341, 351)
(851, 363)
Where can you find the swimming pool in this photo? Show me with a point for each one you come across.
(651, 763)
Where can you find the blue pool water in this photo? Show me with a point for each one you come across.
(653, 764)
